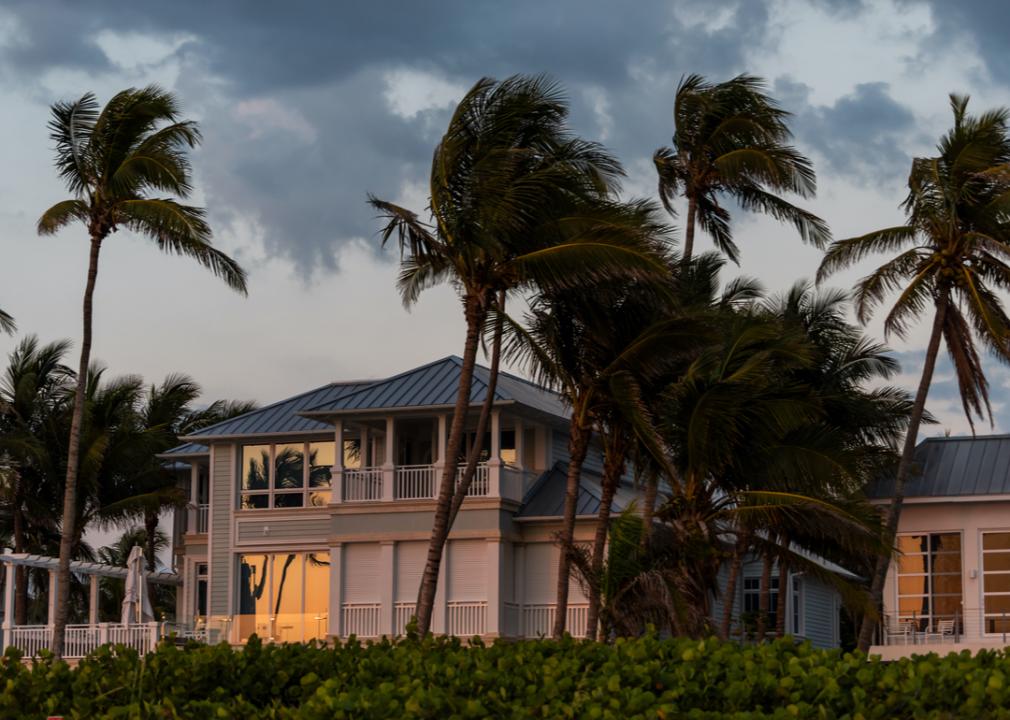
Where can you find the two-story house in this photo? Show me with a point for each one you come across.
(310, 518)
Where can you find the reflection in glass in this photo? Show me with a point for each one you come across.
(284, 596)
(321, 460)
(254, 597)
(255, 501)
(255, 464)
(289, 467)
(288, 500)
(287, 594)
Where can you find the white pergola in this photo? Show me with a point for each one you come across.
(32, 638)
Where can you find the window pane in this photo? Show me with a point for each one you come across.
(289, 467)
(997, 604)
(945, 563)
(320, 498)
(911, 564)
(996, 561)
(288, 500)
(255, 461)
(321, 459)
(254, 597)
(997, 583)
(996, 541)
(946, 605)
(255, 501)
(917, 605)
(947, 584)
(913, 585)
(997, 625)
(912, 543)
(317, 595)
(287, 591)
(946, 542)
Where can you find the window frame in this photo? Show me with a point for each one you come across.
(271, 557)
(773, 598)
(983, 551)
(306, 491)
(797, 617)
(931, 615)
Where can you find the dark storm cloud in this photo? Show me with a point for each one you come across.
(866, 134)
(982, 23)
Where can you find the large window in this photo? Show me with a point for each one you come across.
(279, 475)
(929, 577)
(201, 590)
(284, 597)
(752, 600)
(996, 581)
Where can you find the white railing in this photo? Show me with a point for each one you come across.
(362, 619)
(538, 620)
(402, 613)
(415, 482)
(480, 486)
(83, 639)
(466, 619)
(199, 518)
(362, 484)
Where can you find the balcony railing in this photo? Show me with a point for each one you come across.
(362, 619)
(363, 484)
(83, 639)
(538, 620)
(198, 518)
(415, 482)
(421, 482)
(972, 625)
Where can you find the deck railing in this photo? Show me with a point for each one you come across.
(415, 482)
(362, 619)
(421, 482)
(538, 620)
(363, 484)
(402, 613)
(83, 639)
(480, 486)
(466, 619)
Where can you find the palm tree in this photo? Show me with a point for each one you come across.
(7, 323)
(116, 161)
(952, 257)
(732, 138)
(516, 201)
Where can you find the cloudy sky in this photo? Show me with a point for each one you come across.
(308, 106)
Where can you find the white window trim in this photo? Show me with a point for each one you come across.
(982, 573)
(898, 575)
(271, 491)
(797, 609)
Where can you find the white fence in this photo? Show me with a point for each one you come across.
(480, 486)
(466, 619)
(415, 482)
(363, 484)
(362, 619)
(402, 613)
(538, 620)
(83, 639)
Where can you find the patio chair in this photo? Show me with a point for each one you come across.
(897, 632)
(944, 629)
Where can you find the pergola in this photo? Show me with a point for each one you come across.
(35, 637)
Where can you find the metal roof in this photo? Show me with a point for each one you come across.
(280, 417)
(85, 567)
(955, 466)
(547, 496)
(435, 385)
(185, 450)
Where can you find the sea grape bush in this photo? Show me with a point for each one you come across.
(438, 678)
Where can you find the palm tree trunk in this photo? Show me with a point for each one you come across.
(578, 446)
(729, 596)
(780, 617)
(649, 503)
(67, 529)
(151, 538)
(904, 468)
(474, 314)
(764, 600)
(613, 468)
(692, 208)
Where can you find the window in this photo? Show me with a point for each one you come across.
(797, 606)
(929, 577)
(752, 600)
(284, 597)
(279, 475)
(201, 590)
(996, 581)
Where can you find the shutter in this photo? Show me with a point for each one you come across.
(361, 573)
(410, 560)
(467, 570)
(542, 576)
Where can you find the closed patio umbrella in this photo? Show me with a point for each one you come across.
(136, 604)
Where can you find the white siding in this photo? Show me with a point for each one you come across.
(361, 573)
(821, 613)
(410, 560)
(221, 503)
(542, 576)
(467, 570)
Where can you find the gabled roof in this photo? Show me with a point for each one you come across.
(955, 466)
(546, 499)
(185, 450)
(435, 385)
(280, 417)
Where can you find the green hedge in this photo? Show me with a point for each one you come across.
(647, 678)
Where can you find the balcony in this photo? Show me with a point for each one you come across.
(421, 482)
(910, 634)
(197, 518)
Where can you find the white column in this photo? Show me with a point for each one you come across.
(440, 611)
(363, 450)
(337, 482)
(93, 600)
(51, 616)
(389, 467)
(194, 498)
(335, 628)
(387, 587)
(519, 573)
(494, 462)
(9, 576)
(440, 442)
(520, 444)
(495, 573)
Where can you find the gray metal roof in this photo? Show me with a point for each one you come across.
(547, 496)
(185, 450)
(435, 385)
(281, 417)
(953, 466)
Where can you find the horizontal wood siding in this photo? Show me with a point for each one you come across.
(821, 613)
(542, 576)
(221, 504)
(265, 530)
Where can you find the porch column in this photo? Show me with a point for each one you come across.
(93, 600)
(337, 482)
(9, 577)
(389, 467)
(494, 462)
(192, 509)
(335, 627)
(495, 572)
(440, 441)
(363, 450)
(51, 616)
(387, 570)
(520, 444)
(519, 572)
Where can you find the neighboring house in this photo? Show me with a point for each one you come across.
(948, 588)
(287, 538)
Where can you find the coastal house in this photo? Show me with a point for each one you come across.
(948, 587)
(287, 538)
